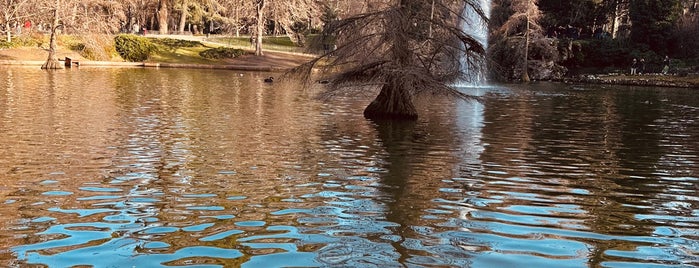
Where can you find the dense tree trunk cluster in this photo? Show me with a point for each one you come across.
(547, 34)
(164, 16)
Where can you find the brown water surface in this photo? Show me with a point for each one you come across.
(201, 168)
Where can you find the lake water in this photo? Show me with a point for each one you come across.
(201, 168)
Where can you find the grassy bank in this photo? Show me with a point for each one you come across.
(685, 81)
(168, 49)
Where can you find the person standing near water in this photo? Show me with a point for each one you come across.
(666, 64)
(642, 64)
(634, 66)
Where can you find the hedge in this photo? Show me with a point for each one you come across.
(133, 48)
(221, 53)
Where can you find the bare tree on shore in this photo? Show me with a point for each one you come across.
(518, 32)
(13, 10)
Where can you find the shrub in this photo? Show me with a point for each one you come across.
(96, 47)
(5, 44)
(174, 44)
(72, 42)
(221, 53)
(133, 48)
(21, 41)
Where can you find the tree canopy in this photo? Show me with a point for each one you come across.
(659, 24)
(615, 30)
(594, 34)
(406, 48)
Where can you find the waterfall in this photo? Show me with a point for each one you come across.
(475, 26)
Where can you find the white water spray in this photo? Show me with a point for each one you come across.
(475, 26)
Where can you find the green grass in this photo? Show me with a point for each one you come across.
(175, 43)
(23, 41)
(181, 55)
(275, 43)
(283, 41)
(233, 41)
(180, 51)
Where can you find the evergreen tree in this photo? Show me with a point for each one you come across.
(653, 23)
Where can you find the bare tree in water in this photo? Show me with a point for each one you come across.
(92, 20)
(52, 61)
(406, 48)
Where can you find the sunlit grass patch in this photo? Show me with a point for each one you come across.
(182, 55)
(275, 43)
(222, 53)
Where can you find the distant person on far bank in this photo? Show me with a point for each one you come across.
(666, 65)
(642, 65)
(634, 67)
(28, 26)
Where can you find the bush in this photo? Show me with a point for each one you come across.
(222, 53)
(599, 54)
(133, 48)
(96, 47)
(21, 41)
(605, 54)
(5, 44)
(279, 41)
(71, 42)
(174, 44)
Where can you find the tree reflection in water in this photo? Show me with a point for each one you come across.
(186, 167)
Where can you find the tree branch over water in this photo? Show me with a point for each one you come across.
(406, 48)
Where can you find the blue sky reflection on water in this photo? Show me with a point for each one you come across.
(142, 167)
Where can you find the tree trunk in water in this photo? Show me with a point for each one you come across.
(392, 103)
(525, 64)
(162, 16)
(52, 61)
(395, 101)
(183, 17)
(260, 27)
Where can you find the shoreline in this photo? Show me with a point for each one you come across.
(650, 80)
(258, 68)
(280, 62)
(272, 61)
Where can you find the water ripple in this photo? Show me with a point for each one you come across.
(204, 169)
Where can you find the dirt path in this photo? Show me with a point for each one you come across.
(272, 59)
(35, 54)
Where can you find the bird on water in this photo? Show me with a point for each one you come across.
(269, 80)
